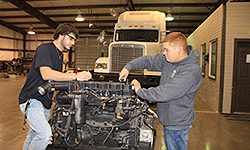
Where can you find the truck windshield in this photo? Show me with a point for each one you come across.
(137, 35)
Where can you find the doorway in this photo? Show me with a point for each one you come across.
(241, 79)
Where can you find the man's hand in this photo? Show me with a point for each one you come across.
(84, 76)
(136, 84)
(123, 74)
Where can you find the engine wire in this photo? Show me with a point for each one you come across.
(105, 140)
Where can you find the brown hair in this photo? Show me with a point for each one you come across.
(176, 39)
(65, 28)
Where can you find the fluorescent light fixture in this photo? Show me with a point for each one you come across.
(169, 17)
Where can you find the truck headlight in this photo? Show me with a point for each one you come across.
(101, 66)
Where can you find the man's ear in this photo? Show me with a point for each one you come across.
(61, 36)
(179, 49)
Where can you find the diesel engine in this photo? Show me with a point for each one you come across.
(99, 115)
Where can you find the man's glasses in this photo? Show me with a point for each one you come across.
(168, 49)
(71, 38)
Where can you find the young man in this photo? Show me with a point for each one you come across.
(181, 77)
(47, 65)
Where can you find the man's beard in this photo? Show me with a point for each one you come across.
(63, 45)
(66, 48)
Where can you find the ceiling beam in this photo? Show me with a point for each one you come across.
(12, 27)
(38, 22)
(105, 21)
(80, 32)
(22, 5)
(131, 5)
(112, 27)
(119, 5)
(42, 0)
(222, 2)
(109, 33)
(83, 14)
(58, 15)
(78, 27)
(102, 14)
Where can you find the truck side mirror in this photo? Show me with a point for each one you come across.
(162, 35)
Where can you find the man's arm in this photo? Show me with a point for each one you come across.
(49, 74)
(174, 89)
(152, 63)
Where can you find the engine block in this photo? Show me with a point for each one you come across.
(99, 115)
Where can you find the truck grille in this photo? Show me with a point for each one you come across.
(124, 53)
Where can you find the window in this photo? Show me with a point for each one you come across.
(137, 35)
(213, 59)
(202, 58)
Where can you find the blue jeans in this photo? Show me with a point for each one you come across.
(39, 135)
(176, 139)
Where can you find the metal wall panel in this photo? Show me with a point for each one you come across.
(87, 50)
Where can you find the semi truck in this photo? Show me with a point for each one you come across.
(136, 34)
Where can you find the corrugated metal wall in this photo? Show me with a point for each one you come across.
(87, 50)
(33, 41)
(11, 44)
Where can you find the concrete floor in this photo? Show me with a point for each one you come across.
(211, 131)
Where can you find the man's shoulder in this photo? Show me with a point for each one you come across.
(45, 45)
(191, 66)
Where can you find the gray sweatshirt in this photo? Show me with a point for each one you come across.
(178, 85)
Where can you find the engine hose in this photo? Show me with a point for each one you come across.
(105, 140)
(151, 127)
(99, 129)
(130, 119)
(56, 97)
(67, 126)
(124, 139)
(114, 126)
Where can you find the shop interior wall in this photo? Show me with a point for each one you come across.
(32, 41)
(11, 44)
(88, 49)
(209, 30)
(237, 27)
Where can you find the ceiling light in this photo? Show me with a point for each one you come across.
(79, 17)
(168, 31)
(169, 17)
(91, 25)
(31, 31)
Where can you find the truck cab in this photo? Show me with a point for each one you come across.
(136, 34)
